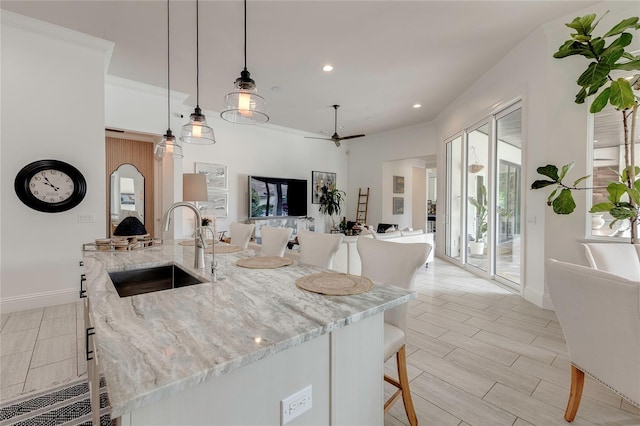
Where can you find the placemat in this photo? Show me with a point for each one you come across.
(224, 249)
(335, 283)
(264, 262)
(193, 243)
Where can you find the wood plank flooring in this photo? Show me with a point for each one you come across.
(477, 355)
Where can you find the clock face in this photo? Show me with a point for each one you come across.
(51, 186)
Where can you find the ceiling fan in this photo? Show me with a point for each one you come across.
(336, 138)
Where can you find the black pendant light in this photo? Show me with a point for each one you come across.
(169, 144)
(244, 105)
(197, 131)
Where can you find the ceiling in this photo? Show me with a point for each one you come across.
(387, 55)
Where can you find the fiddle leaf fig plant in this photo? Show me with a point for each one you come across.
(331, 200)
(597, 80)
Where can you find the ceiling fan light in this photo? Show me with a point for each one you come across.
(197, 132)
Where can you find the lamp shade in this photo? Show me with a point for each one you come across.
(244, 105)
(197, 131)
(194, 187)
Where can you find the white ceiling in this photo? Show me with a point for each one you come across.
(388, 55)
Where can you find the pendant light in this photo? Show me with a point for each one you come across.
(197, 131)
(244, 105)
(169, 144)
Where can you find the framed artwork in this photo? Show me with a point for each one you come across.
(218, 204)
(318, 180)
(398, 205)
(398, 184)
(216, 175)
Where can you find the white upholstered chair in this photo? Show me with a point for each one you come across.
(599, 313)
(395, 264)
(240, 233)
(318, 249)
(274, 240)
(618, 258)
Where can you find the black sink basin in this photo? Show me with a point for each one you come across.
(140, 281)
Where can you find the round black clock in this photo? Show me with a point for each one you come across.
(50, 186)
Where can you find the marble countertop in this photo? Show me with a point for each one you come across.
(156, 344)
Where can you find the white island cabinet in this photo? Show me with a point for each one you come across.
(229, 352)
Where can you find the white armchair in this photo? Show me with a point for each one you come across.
(599, 313)
(618, 258)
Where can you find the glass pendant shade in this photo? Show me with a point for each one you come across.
(197, 131)
(244, 105)
(171, 145)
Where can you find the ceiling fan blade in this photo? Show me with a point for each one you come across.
(324, 139)
(351, 137)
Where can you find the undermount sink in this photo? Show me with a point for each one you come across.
(148, 280)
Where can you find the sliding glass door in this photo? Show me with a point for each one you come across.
(484, 169)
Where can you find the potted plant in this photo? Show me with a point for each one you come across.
(621, 93)
(330, 204)
(476, 247)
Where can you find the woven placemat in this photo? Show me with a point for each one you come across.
(193, 243)
(224, 249)
(264, 262)
(335, 283)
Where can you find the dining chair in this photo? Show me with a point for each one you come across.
(318, 249)
(388, 263)
(599, 313)
(240, 233)
(274, 240)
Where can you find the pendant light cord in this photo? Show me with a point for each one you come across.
(168, 74)
(245, 35)
(197, 53)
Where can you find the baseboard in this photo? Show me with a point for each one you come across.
(38, 300)
(541, 300)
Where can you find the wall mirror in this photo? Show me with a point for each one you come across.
(127, 194)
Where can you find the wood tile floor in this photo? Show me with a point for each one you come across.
(477, 355)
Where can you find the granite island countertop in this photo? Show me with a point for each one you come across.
(156, 344)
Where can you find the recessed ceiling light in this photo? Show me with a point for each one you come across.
(327, 68)
(417, 105)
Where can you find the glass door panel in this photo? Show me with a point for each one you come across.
(453, 197)
(477, 196)
(508, 196)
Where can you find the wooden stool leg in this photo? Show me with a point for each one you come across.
(577, 383)
(404, 384)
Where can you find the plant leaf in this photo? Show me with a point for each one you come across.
(612, 56)
(600, 101)
(632, 65)
(583, 24)
(565, 169)
(564, 203)
(621, 95)
(616, 190)
(581, 179)
(581, 96)
(596, 86)
(634, 195)
(570, 48)
(622, 213)
(550, 171)
(625, 173)
(595, 72)
(550, 197)
(623, 41)
(623, 25)
(601, 207)
(542, 183)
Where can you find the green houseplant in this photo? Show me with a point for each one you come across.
(606, 54)
(331, 203)
(477, 246)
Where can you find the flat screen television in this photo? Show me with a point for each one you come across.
(277, 197)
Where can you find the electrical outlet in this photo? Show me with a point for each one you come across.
(85, 218)
(296, 404)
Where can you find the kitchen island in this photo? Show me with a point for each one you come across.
(229, 352)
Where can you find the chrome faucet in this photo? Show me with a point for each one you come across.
(198, 240)
(214, 264)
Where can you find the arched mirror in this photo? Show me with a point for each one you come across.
(127, 194)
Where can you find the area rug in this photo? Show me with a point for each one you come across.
(67, 404)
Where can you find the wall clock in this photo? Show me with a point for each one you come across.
(50, 186)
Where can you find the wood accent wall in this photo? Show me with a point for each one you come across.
(140, 154)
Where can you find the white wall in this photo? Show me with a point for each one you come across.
(366, 158)
(52, 85)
